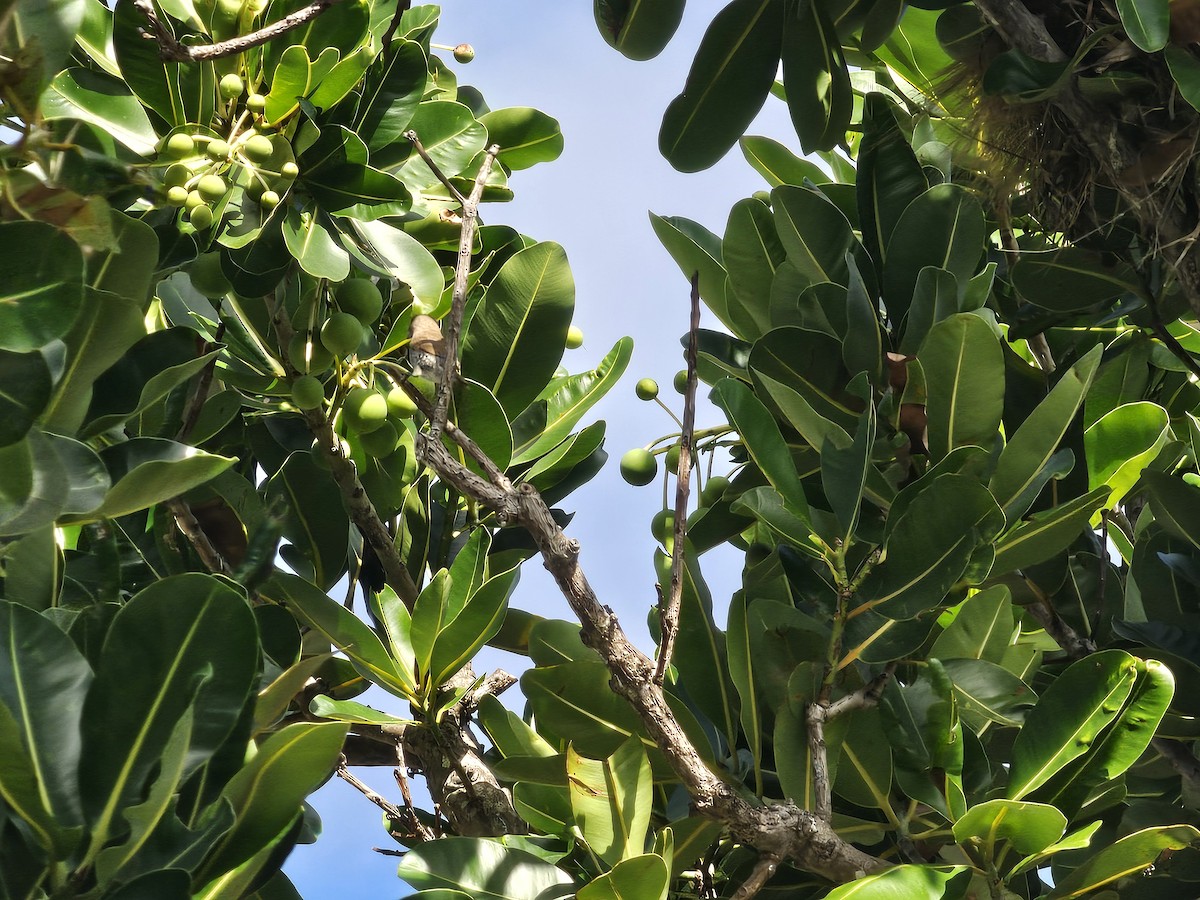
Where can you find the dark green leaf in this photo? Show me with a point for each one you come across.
(41, 270)
(1071, 278)
(819, 95)
(1147, 22)
(526, 136)
(24, 392)
(889, 175)
(391, 94)
(483, 869)
(752, 253)
(964, 382)
(696, 250)
(315, 522)
(639, 29)
(778, 164)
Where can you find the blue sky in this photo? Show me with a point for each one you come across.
(594, 201)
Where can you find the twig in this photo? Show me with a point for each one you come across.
(347, 776)
(171, 50)
(190, 526)
(668, 616)
(354, 496)
(412, 138)
(462, 271)
(1160, 330)
(402, 781)
(200, 391)
(402, 6)
(766, 866)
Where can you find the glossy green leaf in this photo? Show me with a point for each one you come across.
(1036, 440)
(929, 547)
(267, 792)
(778, 164)
(24, 392)
(43, 682)
(944, 228)
(1185, 69)
(185, 641)
(1128, 856)
(168, 88)
(389, 251)
(611, 800)
(814, 232)
(1070, 716)
(741, 672)
(935, 297)
(41, 270)
(862, 349)
(391, 94)
(1071, 279)
(987, 692)
(40, 35)
(752, 253)
(460, 639)
(697, 251)
(483, 869)
(509, 733)
(641, 878)
(101, 101)
(983, 628)
(638, 29)
(360, 192)
(1120, 444)
(763, 440)
(906, 882)
(518, 333)
(889, 175)
(964, 378)
(1047, 533)
(914, 51)
(1147, 22)
(1176, 504)
(728, 82)
(811, 365)
(844, 472)
(353, 712)
(21, 789)
(1027, 827)
(313, 247)
(34, 486)
(864, 774)
(315, 522)
(451, 136)
(819, 96)
(526, 136)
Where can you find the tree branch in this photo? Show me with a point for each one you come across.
(669, 614)
(171, 50)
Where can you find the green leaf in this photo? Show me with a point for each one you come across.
(20, 788)
(451, 136)
(316, 522)
(313, 247)
(526, 136)
(1029, 450)
(987, 692)
(266, 794)
(964, 378)
(391, 94)
(1071, 279)
(518, 333)
(983, 628)
(348, 633)
(1147, 22)
(741, 673)
(389, 251)
(778, 164)
(40, 35)
(352, 712)
(730, 77)
(460, 639)
(611, 800)
(814, 232)
(905, 883)
(1185, 69)
(638, 29)
(844, 472)
(760, 432)
(169, 88)
(1047, 533)
(357, 191)
(864, 773)
(1069, 718)
(1176, 504)
(187, 641)
(696, 250)
(1128, 856)
(752, 252)
(889, 175)
(100, 101)
(43, 682)
(943, 228)
(25, 387)
(640, 878)
(34, 486)
(41, 270)
(483, 869)
(146, 471)
(509, 733)
(1121, 444)
(862, 349)
(481, 416)
(913, 50)
(929, 547)
(819, 96)
(1028, 827)
(549, 419)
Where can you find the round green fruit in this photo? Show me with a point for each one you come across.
(341, 334)
(201, 217)
(681, 381)
(177, 196)
(207, 277)
(763, 197)
(662, 525)
(638, 466)
(180, 144)
(364, 410)
(193, 199)
(646, 389)
(258, 148)
(713, 490)
(232, 86)
(212, 187)
(381, 441)
(361, 298)
(217, 150)
(256, 103)
(177, 174)
(672, 459)
(268, 200)
(308, 392)
(308, 356)
(289, 170)
(464, 53)
(574, 338)
(400, 405)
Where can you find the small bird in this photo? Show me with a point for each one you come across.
(426, 348)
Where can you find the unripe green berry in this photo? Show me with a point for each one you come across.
(646, 389)
(180, 144)
(269, 200)
(380, 442)
(193, 200)
(256, 103)
(232, 86)
(201, 217)
(217, 150)
(672, 459)
(662, 525)
(177, 196)
(177, 174)
(713, 490)
(307, 392)
(638, 466)
(681, 379)
(258, 148)
(574, 338)
(365, 410)
(207, 277)
(400, 405)
(289, 170)
(341, 334)
(464, 53)
(361, 298)
(212, 187)
(308, 356)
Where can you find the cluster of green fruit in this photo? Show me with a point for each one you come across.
(198, 165)
(359, 304)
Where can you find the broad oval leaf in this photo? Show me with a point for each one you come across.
(752, 253)
(525, 136)
(41, 284)
(638, 29)
(697, 251)
(101, 101)
(964, 379)
(778, 164)
(819, 96)
(1029, 827)
(483, 869)
(1128, 856)
(906, 882)
(1071, 279)
(643, 877)
(1122, 443)
(27, 385)
(1147, 22)
(611, 799)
